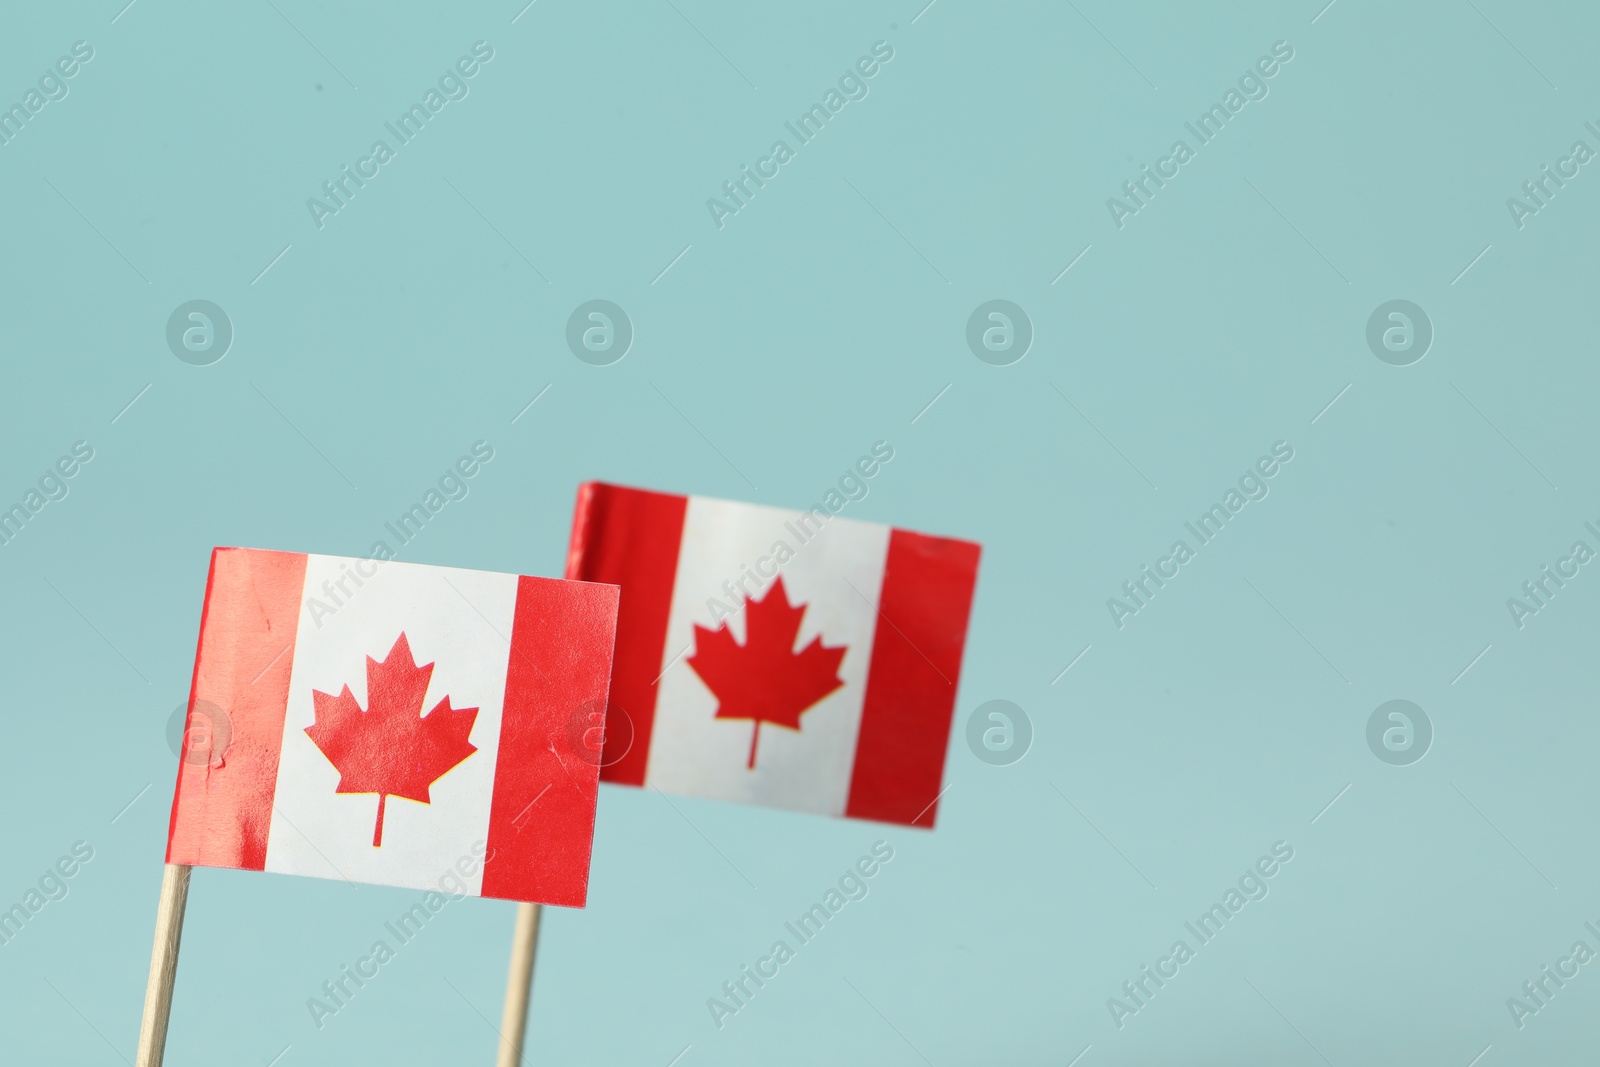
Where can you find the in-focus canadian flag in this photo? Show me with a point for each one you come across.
(395, 723)
(791, 659)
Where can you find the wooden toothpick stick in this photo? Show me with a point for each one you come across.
(163, 966)
(519, 984)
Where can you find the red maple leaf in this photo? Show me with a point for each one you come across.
(390, 748)
(765, 679)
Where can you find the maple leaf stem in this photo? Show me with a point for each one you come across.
(377, 831)
(755, 735)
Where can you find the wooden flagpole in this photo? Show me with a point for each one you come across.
(163, 966)
(519, 985)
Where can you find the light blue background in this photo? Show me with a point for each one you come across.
(1222, 318)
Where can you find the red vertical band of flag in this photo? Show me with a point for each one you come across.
(541, 817)
(630, 537)
(222, 809)
(911, 681)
